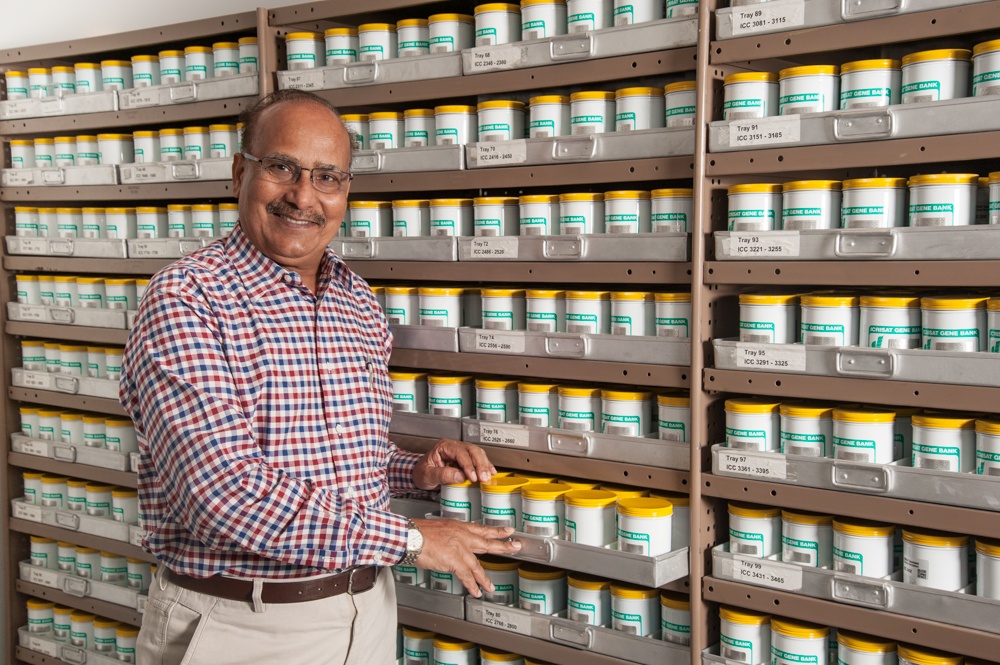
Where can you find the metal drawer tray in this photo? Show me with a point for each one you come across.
(408, 160)
(71, 316)
(223, 87)
(64, 452)
(607, 348)
(94, 248)
(178, 171)
(373, 72)
(591, 247)
(72, 176)
(95, 102)
(435, 248)
(104, 527)
(426, 425)
(83, 587)
(64, 383)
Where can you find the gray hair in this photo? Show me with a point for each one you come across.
(251, 117)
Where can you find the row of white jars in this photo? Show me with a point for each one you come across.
(492, 24)
(79, 429)
(193, 63)
(615, 212)
(77, 560)
(925, 439)
(95, 362)
(166, 145)
(95, 499)
(754, 638)
(82, 629)
(424, 647)
(941, 199)
(963, 323)
(85, 292)
(176, 220)
(926, 76)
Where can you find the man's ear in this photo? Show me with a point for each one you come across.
(239, 166)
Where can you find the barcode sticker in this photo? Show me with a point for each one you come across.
(508, 620)
(625, 627)
(499, 152)
(750, 244)
(503, 436)
(441, 585)
(798, 557)
(843, 567)
(746, 548)
(579, 616)
(532, 421)
(733, 654)
(540, 530)
(620, 430)
(490, 417)
(822, 340)
(771, 358)
(767, 573)
(937, 464)
(772, 16)
(632, 548)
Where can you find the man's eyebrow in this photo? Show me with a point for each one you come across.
(288, 158)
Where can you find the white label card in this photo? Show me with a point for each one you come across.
(43, 646)
(494, 342)
(502, 152)
(140, 97)
(771, 357)
(15, 177)
(493, 58)
(506, 620)
(494, 248)
(18, 109)
(34, 246)
(32, 447)
(742, 464)
(503, 436)
(36, 380)
(767, 573)
(774, 130)
(754, 244)
(43, 577)
(27, 511)
(769, 17)
(305, 80)
(136, 249)
(31, 313)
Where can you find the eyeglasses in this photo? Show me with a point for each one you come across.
(284, 172)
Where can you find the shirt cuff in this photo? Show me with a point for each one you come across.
(400, 471)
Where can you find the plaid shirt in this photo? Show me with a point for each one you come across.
(263, 413)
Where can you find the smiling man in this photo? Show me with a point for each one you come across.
(257, 378)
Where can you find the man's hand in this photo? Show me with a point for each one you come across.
(452, 462)
(451, 547)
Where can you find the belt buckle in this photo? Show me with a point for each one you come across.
(350, 580)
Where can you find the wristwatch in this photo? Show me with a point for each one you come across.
(414, 544)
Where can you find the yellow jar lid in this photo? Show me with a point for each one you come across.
(538, 198)
(955, 421)
(544, 293)
(204, 207)
(417, 633)
(752, 510)
(581, 196)
(143, 134)
(891, 301)
(675, 600)
(624, 491)
(464, 483)
(32, 475)
(41, 540)
(124, 493)
(633, 591)
(588, 295)
(119, 211)
(117, 422)
(809, 70)
(751, 77)
(600, 95)
(377, 27)
(370, 204)
(745, 617)
(986, 47)
(224, 45)
(751, 405)
(535, 477)
(637, 92)
(587, 582)
(676, 498)
(441, 18)
(864, 414)
(934, 538)
(222, 128)
(80, 615)
(145, 58)
(875, 183)
(77, 482)
(170, 131)
(44, 141)
(65, 139)
(988, 427)
(862, 528)
(115, 63)
(35, 604)
(544, 491)
(575, 391)
(537, 387)
(192, 130)
(229, 206)
(804, 185)
(407, 376)
(500, 104)
(72, 348)
(28, 410)
(645, 507)
(149, 209)
(197, 49)
(340, 32)
(72, 416)
(796, 517)
(583, 498)
(22, 142)
(670, 399)
(672, 192)
(13, 74)
(534, 571)
(494, 200)
(625, 395)
(626, 194)
(937, 54)
(418, 113)
(799, 629)
(861, 65)
(502, 293)
(454, 108)
(548, 99)
(25, 209)
(632, 296)
(451, 202)
(92, 211)
(679, 86)
(828, 300)
(496, 384)
(385, 115)
(411, 23)
(411, 203)
(440, 291)
(923, 656)
(446, 380)
(354, 117)
(579, 483)
(100, 622)
(291, 36)
(528, 3)
(126, 631)
(172, 53)
(988, 546)
(60, 69)
(866, 643)
(755, 188)
(805, 410)
(452, 644)
(488, 655)
(944, 179)
(179, 207)
(496, 7)
(504, 485)
(402, 290)
(114, 137)
(672, 297)
(973, 302)
(86, 65)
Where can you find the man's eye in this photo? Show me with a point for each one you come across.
(279, 167)
(328, 177)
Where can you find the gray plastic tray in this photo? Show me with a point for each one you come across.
(69, 316)
(426, 425)
(405, 160)
(607, 348)
(953, 116)
(443, 248)
(413, 508)
(592, 445)
(973, 369)
(374, 72)
(178, 171)
(105, 527)
(426, 338)
(64, 452)
(225, 87)
(953, 243)
(428, 600)
(45, 643)
(815, 13)
(609, 146)
(590, 247)
(559, 630)
(894, 480)
(96, 102)
(71, 176)
(94, 248)
(63, 383)
(165, 248)
(83, 587)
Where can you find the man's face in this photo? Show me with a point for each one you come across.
(292, 224)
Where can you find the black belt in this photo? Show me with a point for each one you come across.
(355, 580)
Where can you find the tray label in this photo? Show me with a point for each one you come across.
(140, 97)
(771, 357)
(499, 153)
(765, 131)
(783, 14)
(492, 342)
(31, 447)
(503, 436)
(761, 244)
(766, 573)
(742, 464)
(43, 577)
(506, 620)
(494, 248)
(27, 511)
(494, 58)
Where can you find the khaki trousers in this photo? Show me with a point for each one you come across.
(182, 627)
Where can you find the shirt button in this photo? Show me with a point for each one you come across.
(378, 557)
(349, 493)
(340, 429)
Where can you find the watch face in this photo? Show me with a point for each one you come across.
(414, 539)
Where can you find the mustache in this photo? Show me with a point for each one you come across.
(286, 209)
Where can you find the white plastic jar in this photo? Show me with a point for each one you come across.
(120, 436)
(985, 69)
(171, 144)
(341, 46)
(99, 500)
(418, 646)
(44, 553)
(33, 480)
(440, 307)
(455, 125)
(113, 362)
(932, 76)
(873, 203)
(370, 219)
(579, 408)
(944, 442)
(672, 210)
(501, 498)
(115, 149)
(52, 354)
(411, 218)
(935, 560)
(539, 214)
(385, 130)
(409, 392)
(48, 226)
(673, 314)
(592, 112)
(627, 211)
(461, 501)
(65, 151)
(634, 609)
(675, 617)
(542, 509)
(93, 223)
(750, 95)
(870, 83)
(752, 423)
(72, 359)
(745, 636)
(538, 404)
(32, 360)
(116, 74)
(146, 146)
(39, 82)
(63, 81)
(588, 599)
(680, 102)
(413, 38)
(124, 502)
(249, 55)
(171, 67)
(204, 220)
(863, 548)
(988, 447)
(811, 204)
(644, 526)
(581, 213)
(806, 429)
(26, 226)
(179, 217)
(541, 589)
(71, 425)
(125, 641)
(451, 32)
(17, 85)
(630, 12)
(96, 368)
(548, 116)
(449, 651)
(754, 530)
(139, 573)
(864, 434)
(590, 517)
(542, 18)
(225, 59)
(402, 305)
(418, 128)
(222, 142)
(91, 292)
(806, 539)
(65, 289)
(145, 71)
(377, 41)
(41, 613)
(304, 50)
(588, 312)
(497, 23)
(857, 649)
(22, 153)
(632, 313)
(77, 501)
(503, 309)
(829, 320)
(500, 120)
(81, 632)
(626, 413)
(114, 569)
(988, 568)
(503, 574)
(587, 15)
(755, 207)
(357, 127)
(45, 153)
(496, 400)
(943, 199)
(451, 217)
(452, 396)
(674, 417)
(639, 108)
(88, 77)
(889, 322)
(808, 89)
(196, 143)
(150, 222)
(198, 63)
(796, 642)
(495, 216)
(953, 323)
(545, 310)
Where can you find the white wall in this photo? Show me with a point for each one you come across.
(27, 23)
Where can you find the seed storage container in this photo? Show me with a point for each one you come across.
(634, 609)
(45, 153)
(65, 150)
(632, 313)
(370, 219)
(204, 220)
(41, 614)
(409, 392)
(806, 539)
(644, 526)
(806, 429)
(674, 417)
(588, 312)
(496, 400)
(199, 63)
(542, 509)
(755, 207)
(411, 218)
(935, 560)
(587, 15)
(768, 319)
(497, 23)
(811, 204)
(548, 116)
(829, 320)
(864, 434)
(986, 69)
(627, 212)
(500, 120)
(745, 636)
(402, 305)
(413, 38)
(932, 76)
(750, 95)
(680, 100)
(440, 307)
(581, 213)
(539, 214)
(630, 12)
(171, 67)
(64, 81)
(626, 413)
(874, 203)
(889, 322)
(953, 323)
(943, 199)
(870, 83)
(115, 74)
(675, 617)
(754, 530)
(451, 217)
(752, 424)
(542, 18)
(592, 112)
(196, 143)
(863, 548)
(579, 408)
(546, 310)
(461, 501)
(17, 85)
(589, 517)
(639, 108)
(944, 442)
(588, 599)
(988, 568)
(673, 314)
(455, 125)
(796, 642)
(22, 153)
(418, 128)
(222, 141)
(495, 216)
(88, 76)
(452, 396)
(357, 127)
(987, 447)
(541, 589)
(501, 501)
(809, 89)
(225, 59)
(538, 404)
(857, 649)
(451, 32)
(503, 309)
(304, 50)
(449, 651)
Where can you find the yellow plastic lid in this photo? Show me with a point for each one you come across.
(172, 53)
(674, 399)
(170, 131)
(954, 421)
(934, 538)
(579, 483)
(954, 302)
(411, 23)
(799, 629)
(494, 200)
(745, 617)
(496, 7)
(145, 58)
(633, 591)
(672, 192)
(451, 202)
(143, 134)
(828, 300)
(544, 293)
(14, 74)
(65, 139)
(126, 631)
(672, 297)
(755, 188)
(440, 291)
(80, 615)
(679, 86)
(504, 485)
(124, 493)
(535, 477)
(988, 427)
(35, 604)
(101, 622)
(368, 205)
(411, 203)
(441, 18)
(339, 32)
(72, 416)
(179, 207)
(797, 517)
(863, 528)
(581, 196)
(875, 183)
(751, 405)
(25, 209)
(114, 63)
(464, 483)
(222, 128)
(45, 141)
(645, 506)
(291, 36)
(803, 185)
(624, 491)
(72, 348)
(204, 207)
(938, 54)
(225, 45)
(92, 211)
(377, 27)
(863, 414)
(22, 142)
(626, 395)
(809, 70)
(582, 498)
(632, 296)
(117, 422)
(197, 49)
(924, 656)
(229, 206)
(538, 198)
(496, 384)
(752, 510)
(454, 108)
(751, 77)
(535, 571)
(588, 295)
(114, 137)
(548, 99)
(537, 387)
(861, 65)
(587, 582)
(77, 482)
(944, 179)
(866, 643)
(502, 293)
(805, 410)
(149, 209)
(86, 65)
(544, 491)
(988, 546)
(452, 644)
(62, 70)
(446, 380)
(32, 475)
(385, 115)
(637, 92)
(500, 104)
(891, 301)
(983, 47)
(417, 633)
(41, 540)
(601, 95)
(626, 194)
(192, 130)
(488, 655)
